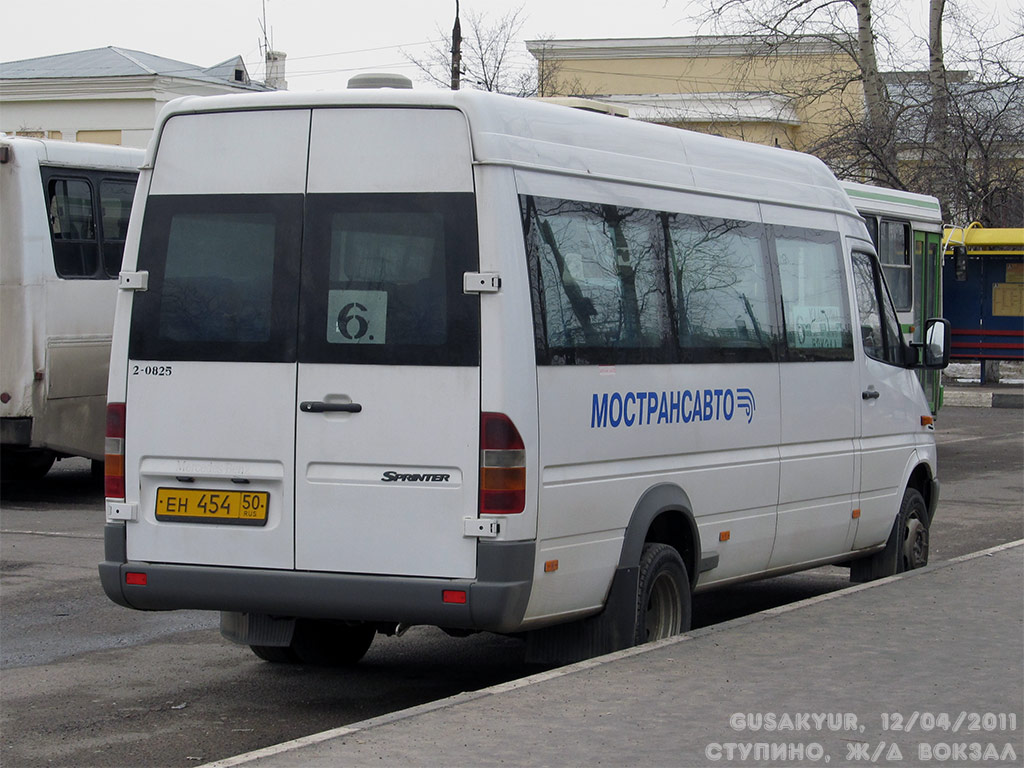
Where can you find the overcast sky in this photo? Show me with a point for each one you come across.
(328, 41)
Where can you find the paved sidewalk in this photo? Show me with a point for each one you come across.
(922, 668)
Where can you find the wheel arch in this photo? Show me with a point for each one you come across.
(663, 515)
(923, 480)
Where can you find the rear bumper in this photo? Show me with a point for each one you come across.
(16, 431)
(495, 601)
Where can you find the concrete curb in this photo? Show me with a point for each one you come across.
(963, 397)
(317, 738)
(1008, 399)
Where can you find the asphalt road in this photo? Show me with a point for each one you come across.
(85, 682)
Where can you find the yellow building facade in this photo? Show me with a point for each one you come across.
(786, 94)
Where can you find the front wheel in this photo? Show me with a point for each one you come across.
(663, 595)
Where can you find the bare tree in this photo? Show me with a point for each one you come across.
(491, 56)
(956, 132)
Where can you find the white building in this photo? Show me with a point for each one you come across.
(110, 95)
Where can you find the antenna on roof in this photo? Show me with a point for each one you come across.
(264, 43)
(274, 74)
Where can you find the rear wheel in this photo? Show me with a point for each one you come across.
(275, 653)
(663, 595)
(907, 546)
(321, 644)
(331, 644)
(25, 466)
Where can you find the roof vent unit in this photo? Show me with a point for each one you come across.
(379, 80)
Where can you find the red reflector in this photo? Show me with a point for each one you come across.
(454, 596)
(135, 579)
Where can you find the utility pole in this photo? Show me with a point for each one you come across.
(456, 49)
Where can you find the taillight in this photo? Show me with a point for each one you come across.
(113, 474)
(502, 466)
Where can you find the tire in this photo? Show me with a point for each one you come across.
(907, 546)
(331, 644)
(25, 466)
(913, 552)
(275, 654)
(663, 604)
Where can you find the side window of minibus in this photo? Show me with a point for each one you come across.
(814, 294)
(717, 280)
(599, 277)
(880, 329)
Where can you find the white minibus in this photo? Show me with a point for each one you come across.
(63, 222)
(392, 357)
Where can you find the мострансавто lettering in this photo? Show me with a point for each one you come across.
(638, 409)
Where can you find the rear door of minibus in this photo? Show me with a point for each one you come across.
(210, 420)
(388, 420)
(304, 377)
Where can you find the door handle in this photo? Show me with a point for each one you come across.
(317, 406)
(870, 394)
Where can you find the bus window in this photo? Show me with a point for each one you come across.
(88, 215)
(894, 254)
(73, 227)
(115, 206)
(872, 225)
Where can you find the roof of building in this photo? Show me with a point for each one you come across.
(122, 62)
(738, 107)
(994, 111)
(700, 46)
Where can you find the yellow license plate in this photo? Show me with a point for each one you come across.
(187, 505)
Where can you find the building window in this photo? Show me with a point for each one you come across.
(100, 137)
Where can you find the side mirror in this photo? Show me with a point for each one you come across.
(936, 345)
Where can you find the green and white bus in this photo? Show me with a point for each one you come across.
(907, 231)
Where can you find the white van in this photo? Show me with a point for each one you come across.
(394, 357)
(63, 222)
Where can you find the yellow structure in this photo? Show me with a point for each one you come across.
(980, 241)
(777, 93)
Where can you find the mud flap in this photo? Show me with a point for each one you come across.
(611, 630)
(257, 629)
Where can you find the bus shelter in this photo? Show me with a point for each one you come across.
(983, 292)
